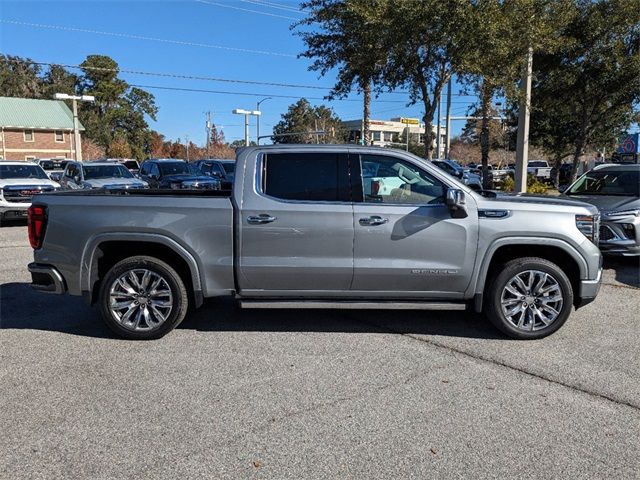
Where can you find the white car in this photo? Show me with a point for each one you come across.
(19, 182)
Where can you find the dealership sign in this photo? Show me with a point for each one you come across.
(628, 144)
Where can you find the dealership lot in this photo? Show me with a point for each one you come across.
(315, 394)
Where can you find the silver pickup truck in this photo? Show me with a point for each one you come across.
(308, 226)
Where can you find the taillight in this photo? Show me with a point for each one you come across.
(36, 223)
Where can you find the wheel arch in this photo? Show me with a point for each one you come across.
(105, 250)
(557, 251)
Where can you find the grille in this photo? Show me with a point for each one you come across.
(606, 233)
(24, 193)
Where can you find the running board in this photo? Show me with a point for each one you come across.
(352, 305)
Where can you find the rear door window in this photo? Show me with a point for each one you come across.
(315, 177)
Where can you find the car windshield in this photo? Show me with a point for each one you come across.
(22, 171)
(537, 164)
(177, 168)
(229, 167)
(105, 171)
(608, 182)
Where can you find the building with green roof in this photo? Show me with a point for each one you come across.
(34, 128)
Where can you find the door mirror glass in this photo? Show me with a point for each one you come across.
(456, 203)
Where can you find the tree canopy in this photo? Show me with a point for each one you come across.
(301, 119)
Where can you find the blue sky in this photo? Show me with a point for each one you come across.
(212, 38)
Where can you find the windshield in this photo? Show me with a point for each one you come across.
(538, 164)
(229, 167)
(105, 171)
(22, 171)
(177, 168)
(608, 182)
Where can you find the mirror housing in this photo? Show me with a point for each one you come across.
(55, 177)
(456, 202)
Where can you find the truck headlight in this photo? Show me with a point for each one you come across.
(589, 225)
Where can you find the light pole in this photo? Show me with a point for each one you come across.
(258, 119)
(76, 125)
(246, 113)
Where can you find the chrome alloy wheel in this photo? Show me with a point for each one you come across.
(532, 300)
(140, 300)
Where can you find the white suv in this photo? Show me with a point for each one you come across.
(19, 182)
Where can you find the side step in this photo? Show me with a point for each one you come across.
(352, 305)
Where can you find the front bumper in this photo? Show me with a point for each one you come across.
(46, 278)
(620, 236)
(10, 210)
(589, 290)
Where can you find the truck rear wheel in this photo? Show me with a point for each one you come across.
(529, 298)
(142, 298)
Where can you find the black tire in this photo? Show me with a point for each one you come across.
(179, 298)
(493, 297)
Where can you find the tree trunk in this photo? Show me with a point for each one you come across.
(579, 151)
(484, 135)
(366, 114)
(557, 163)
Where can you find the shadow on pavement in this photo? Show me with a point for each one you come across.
(627, 269)
(23, 308)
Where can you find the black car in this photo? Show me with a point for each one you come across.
(222, 169)
(175, 174)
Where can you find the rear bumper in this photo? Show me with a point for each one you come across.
(11, 210)
(46, 278)
(589, 290)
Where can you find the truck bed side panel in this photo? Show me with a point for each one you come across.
(200, 226)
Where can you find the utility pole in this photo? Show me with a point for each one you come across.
(522, 147)
(447, 142)
(186, 141)
(208, 126)
(76, 124)
(438, 138)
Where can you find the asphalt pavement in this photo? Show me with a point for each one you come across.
(315, 394)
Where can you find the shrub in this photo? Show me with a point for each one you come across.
(533, 185)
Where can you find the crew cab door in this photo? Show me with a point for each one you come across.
(296, 224)
(406, 242)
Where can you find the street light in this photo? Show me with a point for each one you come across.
(258, 119)
(246, 113)
(76, 124)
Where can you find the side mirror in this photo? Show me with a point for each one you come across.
(456, 203)
(76, 179)
(55, 177)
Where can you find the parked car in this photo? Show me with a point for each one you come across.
(53, 167)
(615, 190)
(131, 164)
(456, 170)
(301, 228)
(99, 174)
(19, 182)
(224, 170)
(540, 169)
(176, 174)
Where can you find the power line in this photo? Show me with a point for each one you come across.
(141, 37)
(198, 90)
(246, 10)
(274, 5)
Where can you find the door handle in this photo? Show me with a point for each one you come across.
(260, 219)
(373, 220)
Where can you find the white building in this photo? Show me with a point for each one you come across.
(385, 133)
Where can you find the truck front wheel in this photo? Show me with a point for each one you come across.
(142, 298)
(529, 298)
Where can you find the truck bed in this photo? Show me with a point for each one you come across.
(83, 225)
